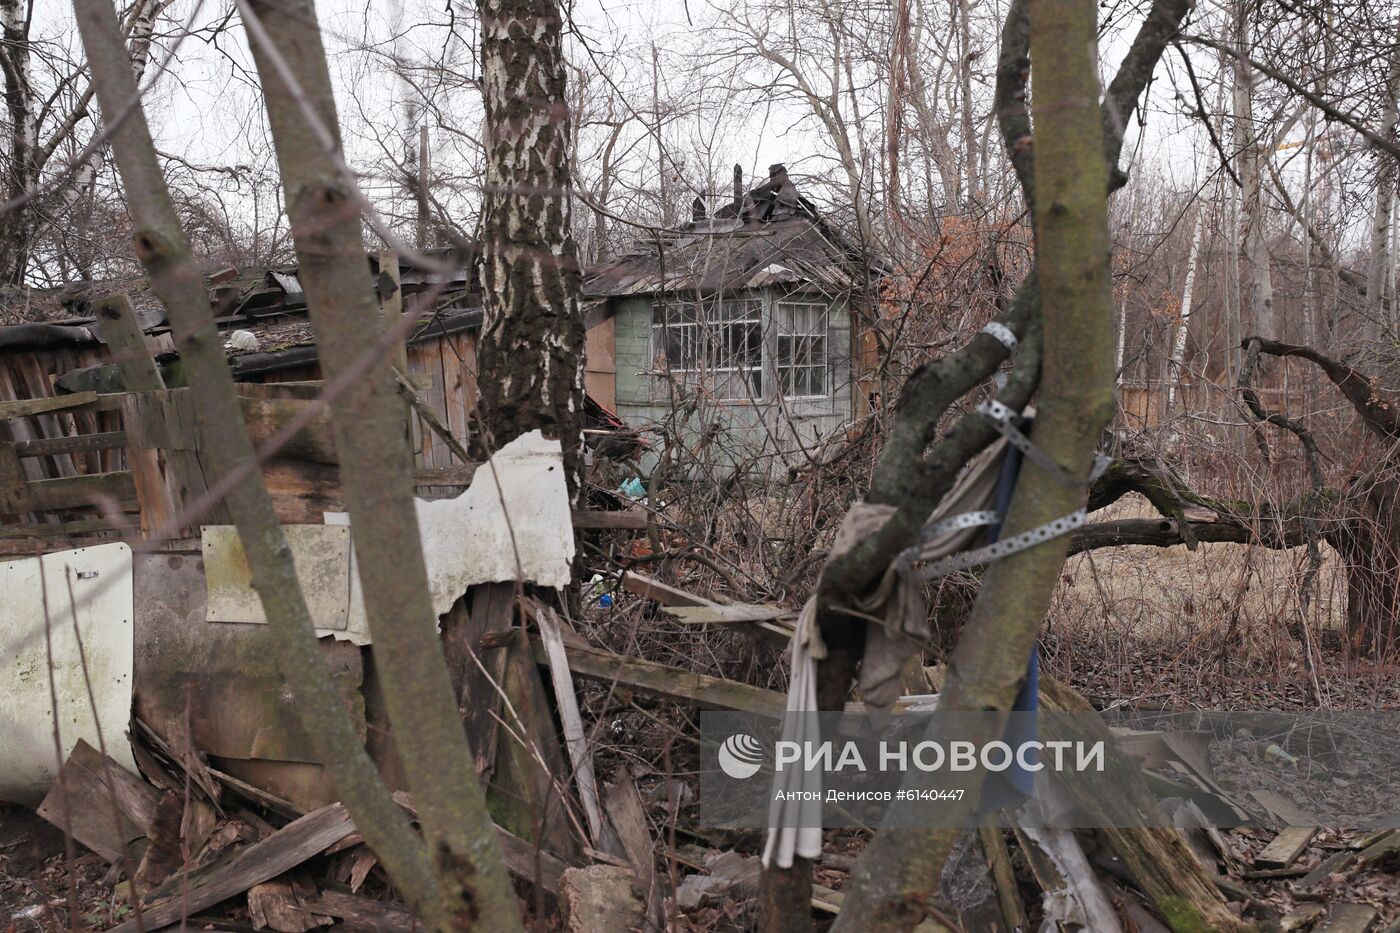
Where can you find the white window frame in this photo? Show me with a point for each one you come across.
(710, 340)
(711, 344)
(816, 334)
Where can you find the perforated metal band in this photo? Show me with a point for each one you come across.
(1004, 420)
(966, 560)
(1003, 334)
(957, 522)
(924, 549)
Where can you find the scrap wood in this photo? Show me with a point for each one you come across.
(968, 888)
(773, 625)
(1072, 892)
(281, 904)
(1379, 849)
(1285, 810)
(520, 856)
(1285, 848)
(600, 899)
(83, 797)
(1334, 863)
(1160, 862)
(630, 519)
(187, 760)
(663, 593)
(629, 821)
(665, 681)
(1349, 918)
(263, 860)
(763, 622)
(1003, 877)
(362, 913)
(1302, 918)
(574, 739)
(1204, 838)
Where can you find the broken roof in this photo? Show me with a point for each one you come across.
(769, 235)
(269, 303)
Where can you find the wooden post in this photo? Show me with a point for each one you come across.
(392, 303)
(126, 343)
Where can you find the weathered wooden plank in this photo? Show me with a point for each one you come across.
(663, 593)
(265, 417)
(190, 478)
(1388, 844)
(1334, 863)
(14, 486)
(633, 520)
(487, 609)
(81, 443)
(117, 323)
(1285, 848)
(284, 850)
(455, 393)
(34, 372)
(575, 739)
(665, 681)
(423, 436)
(521, 857)
(71, 492)
(1349, 918)
(362, 913)
(391, 287)
(281, 904)
(37, 406)
(68, 529)
(82, 803)
(310, 389)
(436, 398)
(126, 342)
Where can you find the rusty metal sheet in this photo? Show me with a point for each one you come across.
(321, 554)
(89, 638)
(224, 681)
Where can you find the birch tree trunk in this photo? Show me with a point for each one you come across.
(1379, 296)
(531, 350)
(17, 223)
(77, 195)
(1184, 328)
(1256, 280)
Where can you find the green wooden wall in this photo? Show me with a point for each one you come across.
(763, 435)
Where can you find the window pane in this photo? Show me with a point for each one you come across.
(800, 348)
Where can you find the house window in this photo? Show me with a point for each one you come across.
(730, 346)
(721, 341)
(801, 359)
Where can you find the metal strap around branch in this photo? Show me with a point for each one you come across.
(966, 560)
(959, 522)
(1002, 333)
(1004, 420)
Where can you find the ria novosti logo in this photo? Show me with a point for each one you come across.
(740, 756)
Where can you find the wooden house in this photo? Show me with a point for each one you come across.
(734, 332)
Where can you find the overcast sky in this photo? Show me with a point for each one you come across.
(206, 109)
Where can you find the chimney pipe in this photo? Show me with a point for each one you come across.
(776, 170)
(738, 186)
